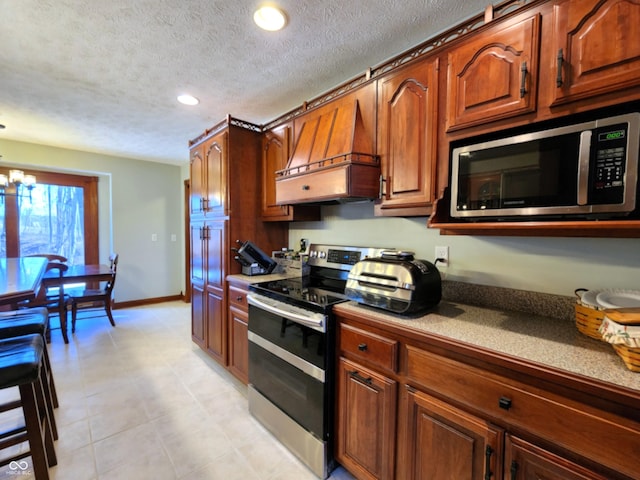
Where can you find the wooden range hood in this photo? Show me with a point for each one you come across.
(333, 161)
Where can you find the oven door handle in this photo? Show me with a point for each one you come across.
(312, 319)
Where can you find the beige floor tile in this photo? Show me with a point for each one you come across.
(141, 400)
(229, 467)
(193, 450)
(79, 464)
(127, 448)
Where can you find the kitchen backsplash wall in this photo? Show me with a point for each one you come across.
(548, 265)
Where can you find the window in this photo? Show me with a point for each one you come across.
(60, 216)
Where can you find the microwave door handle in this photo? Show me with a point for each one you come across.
(583, 166)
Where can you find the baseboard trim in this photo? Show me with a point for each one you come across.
(147, 301)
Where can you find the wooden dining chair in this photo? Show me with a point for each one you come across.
(92, 298)
(54, 299)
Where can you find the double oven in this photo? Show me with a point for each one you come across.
(292, 345)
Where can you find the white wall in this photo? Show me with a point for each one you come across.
(540, 264)
(136, 199)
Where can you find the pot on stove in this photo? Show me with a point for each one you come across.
(396, 282)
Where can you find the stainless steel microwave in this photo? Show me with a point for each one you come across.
(588, 169)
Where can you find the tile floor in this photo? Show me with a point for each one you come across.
(141, 401)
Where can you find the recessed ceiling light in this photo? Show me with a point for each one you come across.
(188, 100)
(270, 18)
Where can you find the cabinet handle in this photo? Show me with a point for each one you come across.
(306, 187)
(239, 298)
(487, 467)
(205, 231)
(514, 469)
(362, 347)
(560, 59)
(356, 376)
(381, 187)
(205, 204)
(504, 403)
(523, 80)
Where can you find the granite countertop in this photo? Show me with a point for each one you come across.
(544, 340)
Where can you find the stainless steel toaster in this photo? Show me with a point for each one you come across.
(396, 282)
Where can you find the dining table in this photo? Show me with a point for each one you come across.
(79, 274)
(20, 278)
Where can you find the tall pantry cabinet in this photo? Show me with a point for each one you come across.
(225, 207)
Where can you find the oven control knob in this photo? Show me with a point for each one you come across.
(322, 254)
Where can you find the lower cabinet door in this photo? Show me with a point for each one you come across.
(239, 344)
(441, 442)
(366, 421)
(525, 461)
(198, 315)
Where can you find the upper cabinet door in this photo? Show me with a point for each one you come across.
(407, 139)
(493, 76)
(275, 154)
(197, 175)
(597, 48)
(215, 151)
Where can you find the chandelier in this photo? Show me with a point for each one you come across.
(16, 184)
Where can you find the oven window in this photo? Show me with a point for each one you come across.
(297, 394)
(303, 342)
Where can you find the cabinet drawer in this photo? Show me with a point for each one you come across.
(238, 297)
(595, 434)
(375, 349)
(350, 180)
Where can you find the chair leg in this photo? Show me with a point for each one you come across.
(107, 307)
(63, 322)
(33, 422)
(48, 402)
(74, 312)
(47, 421)
(52, 385)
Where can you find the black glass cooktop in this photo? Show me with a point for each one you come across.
(300, 292)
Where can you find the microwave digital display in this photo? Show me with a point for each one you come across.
(587, 169)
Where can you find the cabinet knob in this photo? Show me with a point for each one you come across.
(362, 347)
(504, 403)
(306, 187)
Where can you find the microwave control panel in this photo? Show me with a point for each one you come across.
(608, 164)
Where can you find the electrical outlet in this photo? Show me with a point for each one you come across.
(442, 253)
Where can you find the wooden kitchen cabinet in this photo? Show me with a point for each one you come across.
(365, 440)
(208, 169)
(526, 461)
(442, 442)
(596, 49)
(367, 398)
(494, 74)
(225, 207)
(238, 331)
(407, 139)
(466, 412)
(276, 147)
(207, 287)
(197, 177)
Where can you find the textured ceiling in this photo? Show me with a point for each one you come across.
(103, 76)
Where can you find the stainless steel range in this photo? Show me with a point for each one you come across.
(292, 353)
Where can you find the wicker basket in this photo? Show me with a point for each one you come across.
(588, 320)
(630, 356)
